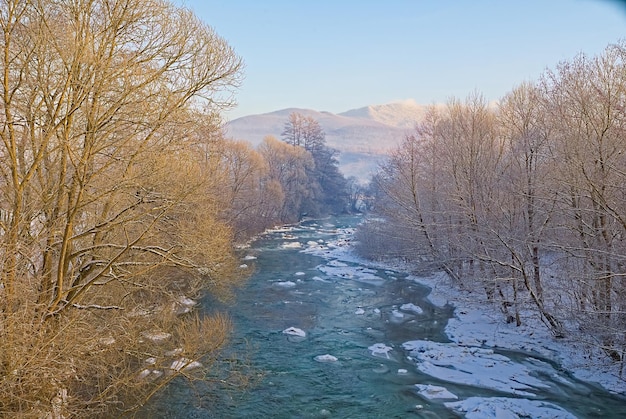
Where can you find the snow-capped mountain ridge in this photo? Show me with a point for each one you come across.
(363, 136)
(404, 114)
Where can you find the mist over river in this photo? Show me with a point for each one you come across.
(328, 335)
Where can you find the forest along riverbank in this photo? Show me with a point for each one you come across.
(330, 335)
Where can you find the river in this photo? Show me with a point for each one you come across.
(325, 336)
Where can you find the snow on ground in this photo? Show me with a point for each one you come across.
(475, 367)
(411, 307)
(431, 392)
(507, 408)
(478, 325)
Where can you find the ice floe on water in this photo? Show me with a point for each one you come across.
(432, 392)
(326, 358)
(474, 366)
(396, 315)
(380, 349)
(294, 331)
(359, 274)
(336, 263)
(285, 284)
(507, 408)
(411, 307)
(291, 245)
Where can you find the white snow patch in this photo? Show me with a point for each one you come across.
(474, 367)
(411, 307)
(157, 337)
(359, 311)
(291, 245)
(185, 364)
(107, 341)
(249, 257)
(299, 274)
(285, 284)
(359, 274)
(174, 352)
(380, 349)
(188, 302)
(143, 374)
(397, 315)
(148, 374)
(325, 358)
(294, 331)
(481, 323)
(337, 263)
(431, 392)
(507, 408)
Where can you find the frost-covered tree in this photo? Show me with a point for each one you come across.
(525, 199)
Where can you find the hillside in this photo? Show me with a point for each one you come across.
(363, 136)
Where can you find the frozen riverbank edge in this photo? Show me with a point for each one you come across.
(478, 322)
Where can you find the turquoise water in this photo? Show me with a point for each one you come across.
(319, 296)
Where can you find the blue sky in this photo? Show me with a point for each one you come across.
(336, 55)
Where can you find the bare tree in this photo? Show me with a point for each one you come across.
(526, 199)
(106, 230)
(288, 167)
(585, 99)
(303, 131)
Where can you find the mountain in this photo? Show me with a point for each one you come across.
(363, 136)
(402, 114)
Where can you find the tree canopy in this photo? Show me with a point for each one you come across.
(326, 185)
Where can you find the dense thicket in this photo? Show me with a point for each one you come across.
(526, 199)
(110, 212)
(282, 181)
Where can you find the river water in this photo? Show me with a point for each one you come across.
(361, 316)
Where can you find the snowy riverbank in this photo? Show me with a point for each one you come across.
(478, 328)
(478, 322)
